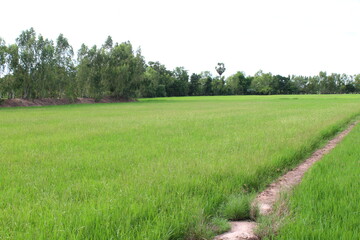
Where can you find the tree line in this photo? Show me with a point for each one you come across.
(36, 67)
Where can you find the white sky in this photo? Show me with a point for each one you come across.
(284, 37)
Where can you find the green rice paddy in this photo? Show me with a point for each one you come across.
(154, 169)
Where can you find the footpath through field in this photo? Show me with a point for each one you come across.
(264, 202)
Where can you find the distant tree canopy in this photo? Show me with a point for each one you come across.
(36, 67)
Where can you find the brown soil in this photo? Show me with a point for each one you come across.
(243, 230)
(265, 201)
(19, 102)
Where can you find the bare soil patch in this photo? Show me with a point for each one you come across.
(241, 230)
(265, 201)
(19, 102)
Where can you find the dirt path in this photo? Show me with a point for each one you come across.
(242, 230)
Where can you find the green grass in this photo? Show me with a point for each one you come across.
(154, 169)
(237, 207)
(326, 203)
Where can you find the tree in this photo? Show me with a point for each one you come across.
(83, 70)
(180, 84)
(3, 50)
(3, 53)
(108, 45)
(194, 87)
(122, 62)
(357, 83)
(349, 88)
(220, 68)
(310, 85)
(327, 83)
(12, 85)
(36, 67)
(218, 86)
(64, 68)
(281, 85)
(262, 83)
(94, 63)
(238, 84)
(206, 83)
(332, 83)
(165, 78)
(26, 43)
(115, 71)
(150, 84)
(157, 81)
(46, 77)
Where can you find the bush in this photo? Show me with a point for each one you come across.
(237, 207)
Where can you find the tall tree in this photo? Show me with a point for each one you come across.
(262, 83)
(95, 65)
(238, 84)
(180, 84)
(357, 83)
(281, 84)
(26, 43)
(127, 68)
(310, 86)
(3, 53)
(64, 68)
(220, 68)
(12, 85)
(45, 74)
(206, 83)
(108, 45)
(83, 71)
(194, 87)
(218, 86)
(3, 50)
(35, 67)
(161, 78)
(149, 86)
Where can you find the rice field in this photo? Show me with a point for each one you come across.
(154, 169)
(326, 203)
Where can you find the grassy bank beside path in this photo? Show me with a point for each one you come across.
(326, 203)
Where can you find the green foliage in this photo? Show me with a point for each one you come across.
(263, 83)
(126, 70)
(357, 83)
(64, 67)
(218, 86)
(156, 81)
(220, 225)
(180, 85)
(194, 87)
(25, 72)
(282, 85)
(3, 50)
(153, 169)
(237, 207)
(206, 83)
(110, 71)
(238, 84)
(36, 67)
